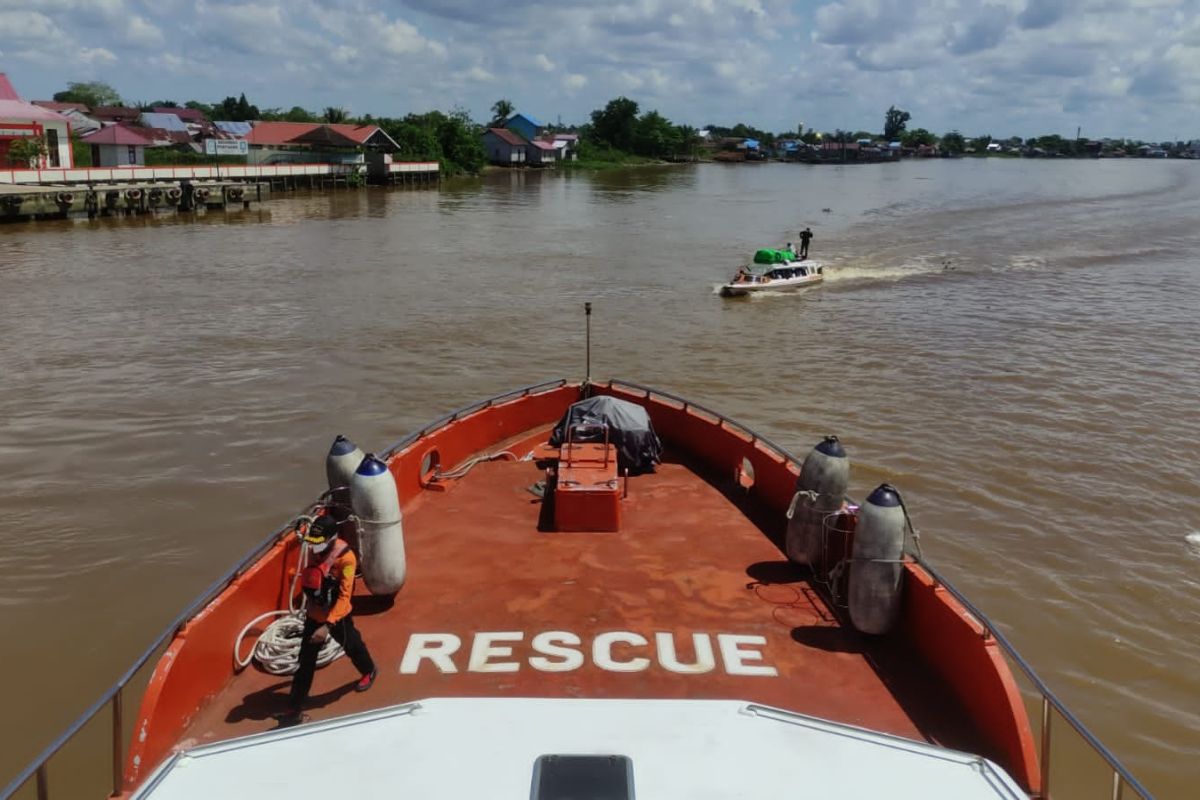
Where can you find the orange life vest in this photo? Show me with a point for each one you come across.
(322, 588)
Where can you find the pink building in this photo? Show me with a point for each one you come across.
(21, 120)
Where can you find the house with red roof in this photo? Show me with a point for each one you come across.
(542, 153)
(118, 146)
(54, 105)
(272, 142)
(505, 147)
(22, 120)
(115, 115)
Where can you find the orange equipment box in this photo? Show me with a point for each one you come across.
(587, 496)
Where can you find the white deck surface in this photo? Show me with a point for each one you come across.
(486, 748)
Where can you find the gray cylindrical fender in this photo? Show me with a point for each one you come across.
(820, 491)
(376, 503)
(876, 574)
(343, 459)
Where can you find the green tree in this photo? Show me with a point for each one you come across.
(654, 136)
(918, 137)
(614, 125)
(895, 123)
(28, 151)
(501, 110)
(687, 140)
(863, 135)
(334, 115)
(954, 142)
(451, 139)
(236, 109)
(298, 114)
(91, 94)
(979, 143)
(461, 141)
(203, 108)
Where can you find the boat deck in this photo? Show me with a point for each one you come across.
(690, 558)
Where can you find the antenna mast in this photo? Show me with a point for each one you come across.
(587, 310)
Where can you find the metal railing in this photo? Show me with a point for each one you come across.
(39, 767)
(1121, 777)
(454, 416)
(114, 695)
(722, 420)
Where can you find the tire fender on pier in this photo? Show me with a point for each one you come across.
(876, 567)
(820, 491)
(376, 503)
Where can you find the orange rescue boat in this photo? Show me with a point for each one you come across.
(568, 626)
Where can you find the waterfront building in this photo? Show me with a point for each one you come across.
(567, 144)
(20, 120)
(524, 126)
(118, 146)
(310, 142)
(505, 147)
(541, 153)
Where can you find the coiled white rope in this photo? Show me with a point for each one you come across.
(277, 650)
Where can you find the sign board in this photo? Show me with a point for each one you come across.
(226, 147)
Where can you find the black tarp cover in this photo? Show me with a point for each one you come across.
(629, 430)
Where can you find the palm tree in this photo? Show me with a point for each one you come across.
(501, 111)
(334, 115)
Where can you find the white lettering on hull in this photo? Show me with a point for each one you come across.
(612, 651)
(554, 643)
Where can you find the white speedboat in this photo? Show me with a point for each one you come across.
(783, 277)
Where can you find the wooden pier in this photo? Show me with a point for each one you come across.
(123, 199)
(92, 192)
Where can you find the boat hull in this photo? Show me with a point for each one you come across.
(194, 678)
(778, 278)
(738, 289)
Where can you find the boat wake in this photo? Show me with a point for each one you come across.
(910, 268)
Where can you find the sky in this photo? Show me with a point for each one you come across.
(1113, 68)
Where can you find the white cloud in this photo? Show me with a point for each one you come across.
(478, 75)
(97, 56)
(976, 65)
(28, 27)
(140, 32)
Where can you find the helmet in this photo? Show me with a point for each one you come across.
(321, 532)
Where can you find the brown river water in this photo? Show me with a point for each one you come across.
(1012, 343)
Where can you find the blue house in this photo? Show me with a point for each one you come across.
(525, 126)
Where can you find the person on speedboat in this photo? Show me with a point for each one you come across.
(806, 236)
(328, 584)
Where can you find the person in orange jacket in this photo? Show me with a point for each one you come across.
(328, 584)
